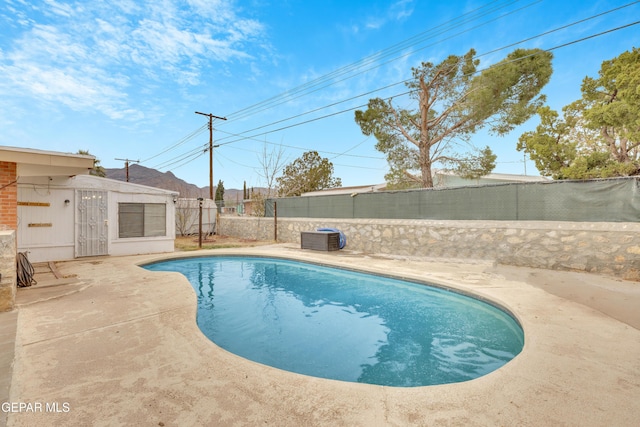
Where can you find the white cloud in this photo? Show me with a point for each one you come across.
(375, 23)
(78, 89)
(215, 10)
(59, 8)
(127, 6)
(92, 55)
(398, 11)
(46, 43)
(401, 9)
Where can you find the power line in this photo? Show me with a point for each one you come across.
(235, 162)
(240, 137)
(369, 59)
(183, 161)
(358, 167)
(564, 27)
(302, 148)
(322, 108)
(405, 93)
(200, 150)
(288, 95)
(477, 56)
(351, 109)
(594, 35)
(344, 153)
(180, 142)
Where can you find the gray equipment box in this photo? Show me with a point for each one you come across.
(320, 240)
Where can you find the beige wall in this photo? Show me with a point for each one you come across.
(604, 248)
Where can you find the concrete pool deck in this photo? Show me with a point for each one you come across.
(117, 345)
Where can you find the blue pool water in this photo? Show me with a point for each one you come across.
(344, 325)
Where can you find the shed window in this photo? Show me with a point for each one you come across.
(142, 219)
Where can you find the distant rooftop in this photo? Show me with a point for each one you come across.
(347, 190)
(502, 177)
(441, 179)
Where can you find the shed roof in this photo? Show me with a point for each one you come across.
(96, 182)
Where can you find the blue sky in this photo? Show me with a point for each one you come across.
(124, 78)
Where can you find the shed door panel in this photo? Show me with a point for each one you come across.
(91, 222)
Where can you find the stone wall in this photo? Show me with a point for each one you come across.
(7, 270)
(603, 248)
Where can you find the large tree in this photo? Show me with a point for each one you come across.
(454, 101)
(310, 172)
(599, 134)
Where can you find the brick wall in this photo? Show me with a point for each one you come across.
(8, 196)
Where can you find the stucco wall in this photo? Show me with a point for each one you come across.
(58, 240)
(7, 269)
(604, 248)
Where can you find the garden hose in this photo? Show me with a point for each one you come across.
(25, 271)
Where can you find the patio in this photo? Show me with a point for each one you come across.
(114, 344)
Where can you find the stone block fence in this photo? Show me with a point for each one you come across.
(7, 269)
(611, 248)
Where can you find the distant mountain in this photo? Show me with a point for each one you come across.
(153, 178)
(168, 181)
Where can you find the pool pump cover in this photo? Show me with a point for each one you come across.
(320, 240)
(343, 238)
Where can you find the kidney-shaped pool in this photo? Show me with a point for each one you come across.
(346, 325)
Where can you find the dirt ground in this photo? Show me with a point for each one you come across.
(191, 243)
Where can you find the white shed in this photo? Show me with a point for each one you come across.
(62, 217)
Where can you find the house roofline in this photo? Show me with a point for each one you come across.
(32, 162)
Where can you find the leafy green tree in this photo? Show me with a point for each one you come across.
(599, 134)
(473, 167)
(219, 197)
(453, 103)
(97, 170)
(310, 172)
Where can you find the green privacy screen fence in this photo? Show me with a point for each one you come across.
(609, 200)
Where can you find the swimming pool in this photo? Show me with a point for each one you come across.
(346, 325)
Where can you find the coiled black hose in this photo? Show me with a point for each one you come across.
(25, 271)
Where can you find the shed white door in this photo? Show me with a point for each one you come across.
(91, 223)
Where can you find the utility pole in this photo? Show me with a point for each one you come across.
(211, 147)
(200, 199)
(126, 165)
